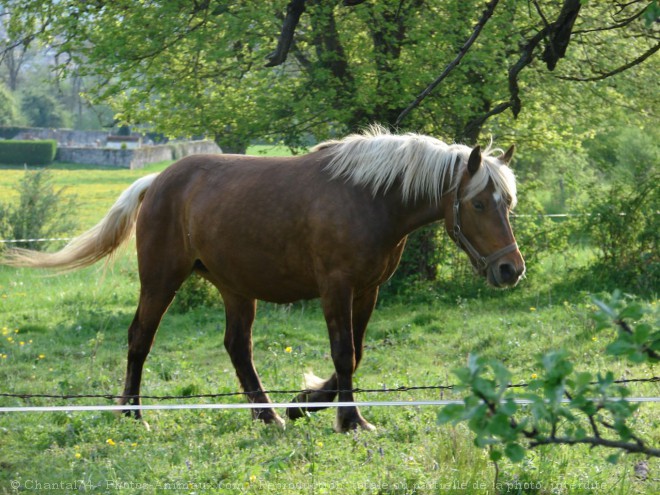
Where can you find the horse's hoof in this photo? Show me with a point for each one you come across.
(359, 423)
(278, 422)
(294, 413)
(269, 416)
(128, 413)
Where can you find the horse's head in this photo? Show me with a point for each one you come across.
(478, 220)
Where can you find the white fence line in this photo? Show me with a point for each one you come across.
(278, 405)
(9, 241)
(514, 216)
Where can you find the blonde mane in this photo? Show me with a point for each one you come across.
(425, 166)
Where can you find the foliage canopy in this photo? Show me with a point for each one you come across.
(200, 67)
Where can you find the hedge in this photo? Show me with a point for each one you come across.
(28, 152)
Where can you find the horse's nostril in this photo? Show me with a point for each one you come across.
(507, 272)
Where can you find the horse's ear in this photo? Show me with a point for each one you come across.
(474, 162)
(506, 158)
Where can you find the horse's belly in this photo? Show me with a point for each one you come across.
(261, 277)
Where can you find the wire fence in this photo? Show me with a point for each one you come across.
(252, 405)
(117, 407)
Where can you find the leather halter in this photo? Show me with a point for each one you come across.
(483, 262)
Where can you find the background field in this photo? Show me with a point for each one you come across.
(67, 335)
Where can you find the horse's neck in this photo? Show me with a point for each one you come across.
(411, 216)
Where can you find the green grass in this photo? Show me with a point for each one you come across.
(67, 335)
(95, 188)
(73, 333)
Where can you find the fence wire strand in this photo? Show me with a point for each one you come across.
(26, 396)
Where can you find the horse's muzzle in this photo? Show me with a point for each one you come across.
(504, 273)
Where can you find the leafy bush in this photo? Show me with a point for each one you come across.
(561, 406)
(28, 152)
(194, 293)
(42, 212)
(419, 260)
(624, 225)
(536, 233)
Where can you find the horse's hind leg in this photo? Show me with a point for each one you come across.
(156, 293)
(240, 314)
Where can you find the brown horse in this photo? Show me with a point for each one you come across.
(329, 224)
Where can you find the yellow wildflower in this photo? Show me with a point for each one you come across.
(77, 455)
(288, 349)
(534, 376)
(110, 442)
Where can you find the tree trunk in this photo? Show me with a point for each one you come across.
(231, 145)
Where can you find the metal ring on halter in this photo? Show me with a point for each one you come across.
(483, 262)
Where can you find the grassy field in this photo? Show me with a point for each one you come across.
(67, 335)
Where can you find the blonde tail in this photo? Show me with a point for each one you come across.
(98, 242)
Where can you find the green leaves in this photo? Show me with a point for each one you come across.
(652, 13)
(487, 411)
(198, 67)
(562, 405)
(639, 340)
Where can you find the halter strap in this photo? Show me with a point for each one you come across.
(460, 239)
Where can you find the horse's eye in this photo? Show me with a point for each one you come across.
(478, 205)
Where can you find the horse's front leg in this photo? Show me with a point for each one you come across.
(320, 390)
(337, 303)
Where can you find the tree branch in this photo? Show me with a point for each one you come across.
(485, 16)
(293, 12)
(525, 59)
(618, 70)
(560, 31)
(477, 122)
(617, 25)
(633, 448)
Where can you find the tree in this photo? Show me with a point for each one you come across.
(9, 114)
(14, 52)
(208, 67)
(43, 110)
(285, 70)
